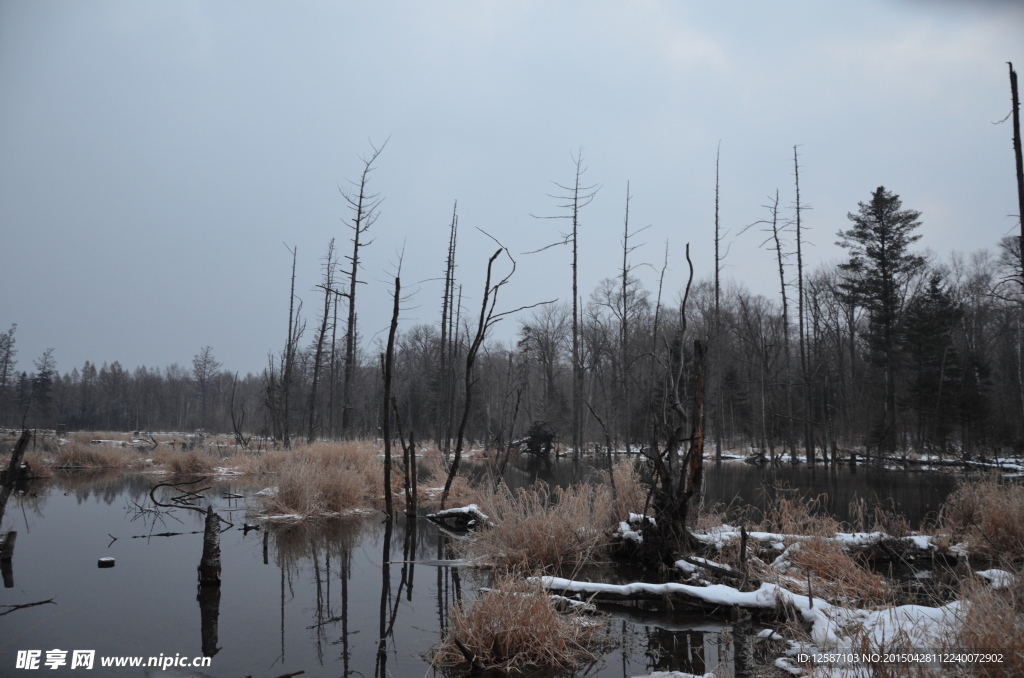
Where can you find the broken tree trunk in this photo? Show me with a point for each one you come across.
(209, 565)
(209, 615)
(6, 555)
(13, 473)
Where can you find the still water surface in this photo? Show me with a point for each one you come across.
(309, 597)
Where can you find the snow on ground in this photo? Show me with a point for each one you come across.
(832, 627)
(1000, 579)
(627, 533)
(471, 510)
(676, 674)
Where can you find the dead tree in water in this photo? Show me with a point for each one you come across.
(328, 288)
(10, 478)
(574, 199)
(364, 206)
(673, 489)
(487, 319)
(209, 564)
(442, 435)
(387, 361)
(291, 348)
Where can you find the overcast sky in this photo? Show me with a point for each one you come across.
(155, 157)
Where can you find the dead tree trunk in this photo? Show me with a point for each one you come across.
(209, 616)
(718, 326)
(290, 349)
(1019, 161)
(328, 288)
(673, 489)
(444, 381)
(13, 473)
(804, 365)
(487, 318)
(389, 358)
(209, 564)
(364, 206)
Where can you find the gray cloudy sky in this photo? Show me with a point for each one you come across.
(154, 156)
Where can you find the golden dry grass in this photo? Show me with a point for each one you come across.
(75, 454)
(836, 575)
(539, 528)
(516, 627)
(800, 516)
(435, 474)
(989, 515)
(993, 620)
(630, 490)
(323, 478)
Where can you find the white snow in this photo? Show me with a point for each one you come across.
(676, 674)
(1000, 579)
(624, 531)
(471, 510)
(832, 626)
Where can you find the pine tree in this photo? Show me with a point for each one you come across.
(880, 268)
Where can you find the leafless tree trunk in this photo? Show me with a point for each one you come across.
(804, 365)
(1019, 162)
(389, 359)
(575, 199)
(624, 407)
(291, 348)
(787, 353)
(364, 206)
(329, 291)
(443, 430)
(718, 323)
(487, 319)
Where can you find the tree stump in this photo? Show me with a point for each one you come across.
(209, 565)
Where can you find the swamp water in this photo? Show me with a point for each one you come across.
(315, 596)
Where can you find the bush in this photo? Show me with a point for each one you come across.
(515, 626)
(537, 528)
(989, 516)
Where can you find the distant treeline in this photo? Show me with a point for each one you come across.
(888, 349)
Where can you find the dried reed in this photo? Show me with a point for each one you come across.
(516, 627)
(989, 516)
(538, 528)
(75, 454)
(836, 575)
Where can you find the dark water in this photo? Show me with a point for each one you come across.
(310, 597)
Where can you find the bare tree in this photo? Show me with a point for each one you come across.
(718, 319)
(445, 390)
(575, 198)
(365, 210)
(674, 489)
(204, 368)
(387, 361)
(487, 319)
(804, 365)
(291, 346)
(329, 292)
(1019, 161)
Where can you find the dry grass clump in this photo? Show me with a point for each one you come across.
(630, 490)
(807, 517)
(434, 476)
(516, 627)
(326, 478)
(537, 528)
(993, 621)
(836, 575)
(75, 454)
(195, 462)
(989, 516)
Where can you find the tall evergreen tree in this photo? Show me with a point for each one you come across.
(880, 267)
